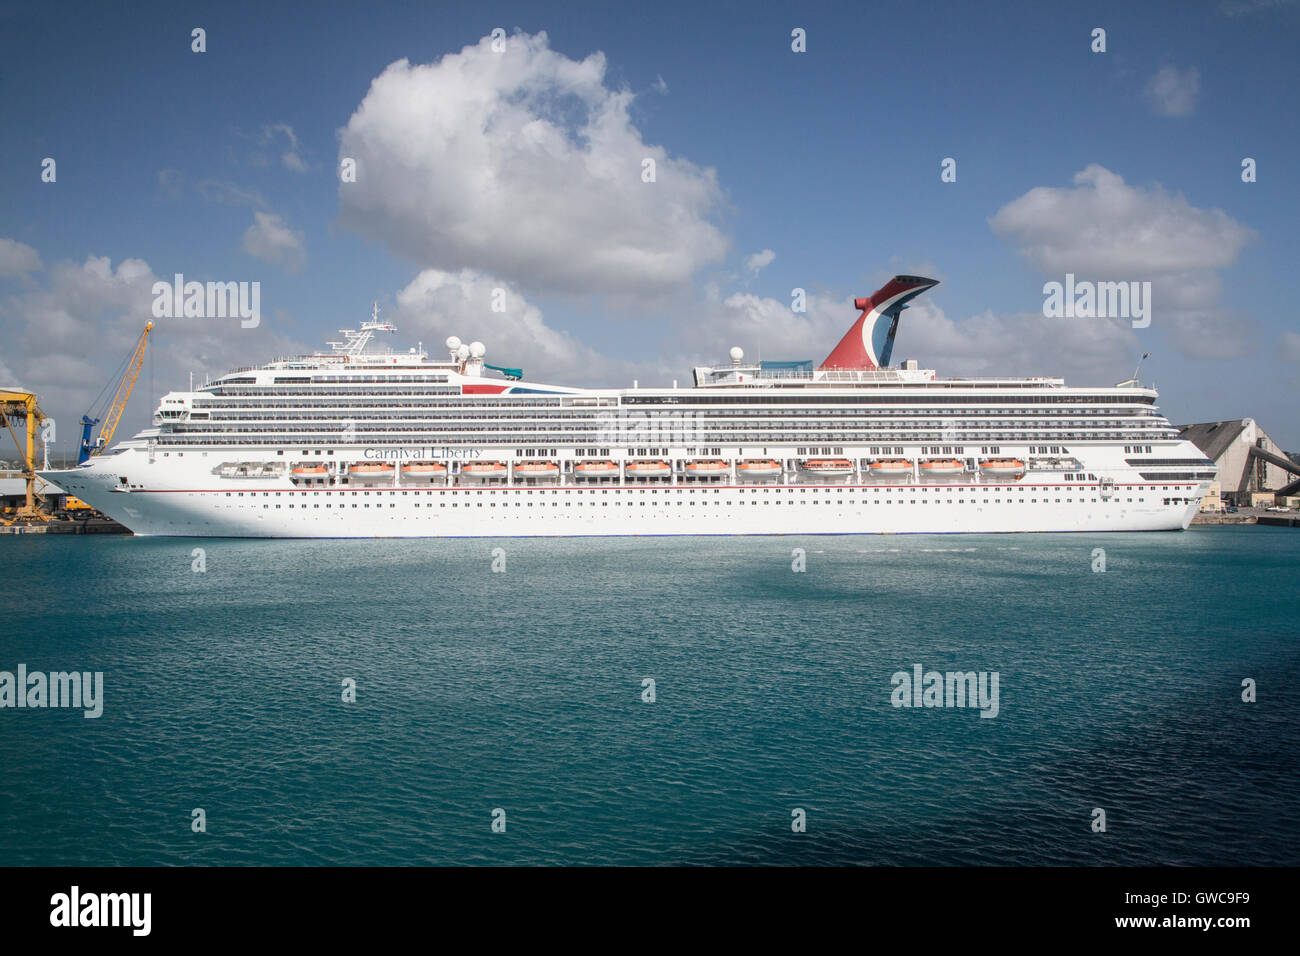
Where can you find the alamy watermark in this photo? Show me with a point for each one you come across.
(1098, 300)
(76, 908)
(36, 689)
(208, 300)
(922, 688)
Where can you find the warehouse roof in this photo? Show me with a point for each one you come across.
(1214, 438)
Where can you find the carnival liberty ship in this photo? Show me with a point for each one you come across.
(361, 442)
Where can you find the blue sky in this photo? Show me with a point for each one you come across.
(224, 165)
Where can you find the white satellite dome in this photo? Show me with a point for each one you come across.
(477, 349)
(453, 342)
(737, 353)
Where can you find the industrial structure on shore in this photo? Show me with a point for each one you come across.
(1253, 469)
(25, 497)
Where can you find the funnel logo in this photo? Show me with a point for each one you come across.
(870, 342)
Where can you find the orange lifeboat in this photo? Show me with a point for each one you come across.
(891, 467)
(707, 467)
(648, 468)
(310, 471)
(595, 468)
(759, 468)
(424, 469)
(483, 469)
(371, 469)
(1002, 467)
(942, 467)
(536, 469)
(827, 467)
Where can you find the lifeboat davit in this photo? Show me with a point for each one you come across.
(648, 468)
(483, 469)
(371, 470)
(707, 467)
(759, 468)
(891, 467)
(595, 468)
(1002, 467)
(942, 467)
(827, 467)
(425, 469)
(536, 469)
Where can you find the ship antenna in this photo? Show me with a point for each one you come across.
(1145, 355)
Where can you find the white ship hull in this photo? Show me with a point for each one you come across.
(166, 503)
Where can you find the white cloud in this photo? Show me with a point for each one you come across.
(1083, 350)
(171, 182)
(1172, 92)
(1238, 8)
(524, 164)
(764, 327)
(1107, 227)
(229, 194)
(1106, 230)
(290, 158)
(9, 380)
(17, 258)
(440, 304)
(270, 239)
(68, 335)
(759, 261)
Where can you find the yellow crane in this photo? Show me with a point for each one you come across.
(22, 405)
(135, 361)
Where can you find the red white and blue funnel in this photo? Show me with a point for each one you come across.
(870, 342)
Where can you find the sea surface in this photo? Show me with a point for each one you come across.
(522, 691)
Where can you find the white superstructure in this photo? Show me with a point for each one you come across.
(359, 442)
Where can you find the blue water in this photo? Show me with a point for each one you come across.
(523, 690)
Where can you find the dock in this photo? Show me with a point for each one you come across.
(82, 526)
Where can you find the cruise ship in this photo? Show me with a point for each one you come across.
(363, 441)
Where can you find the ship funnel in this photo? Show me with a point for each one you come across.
(870, 342)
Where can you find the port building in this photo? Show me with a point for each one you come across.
(1251, 465)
